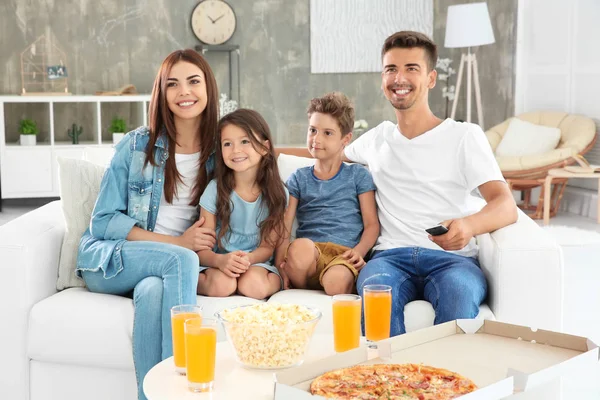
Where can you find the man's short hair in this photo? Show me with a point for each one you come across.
(409, 40)
(338, 106)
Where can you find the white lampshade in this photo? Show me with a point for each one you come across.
(468, 25)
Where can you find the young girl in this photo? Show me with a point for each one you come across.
(142, 234)
(245, 203)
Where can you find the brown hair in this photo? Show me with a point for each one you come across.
(161, 117)
(409, 40)
(267, 178)
(338, 106)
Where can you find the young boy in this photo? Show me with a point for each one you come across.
(334, 204)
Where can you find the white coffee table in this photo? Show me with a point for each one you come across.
(232, 381)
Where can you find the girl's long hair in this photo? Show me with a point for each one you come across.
(160, 116)
(267, 178)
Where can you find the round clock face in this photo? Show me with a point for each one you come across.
(213, 21)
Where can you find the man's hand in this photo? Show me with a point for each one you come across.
(354, 258)
(284, 276)
(234, 264)
(197, 238)
(458, 236)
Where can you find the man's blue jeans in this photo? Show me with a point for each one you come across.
(161, 276)
(453, 284)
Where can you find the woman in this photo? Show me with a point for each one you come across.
(144, 232)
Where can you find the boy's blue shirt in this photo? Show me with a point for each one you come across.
(129, 196)
(329, 210)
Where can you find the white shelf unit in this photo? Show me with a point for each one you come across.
(32, 171)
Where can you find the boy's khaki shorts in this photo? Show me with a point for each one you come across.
(330, 254)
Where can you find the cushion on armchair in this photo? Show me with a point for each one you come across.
(524, 138)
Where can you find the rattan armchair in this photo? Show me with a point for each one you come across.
(524, 173)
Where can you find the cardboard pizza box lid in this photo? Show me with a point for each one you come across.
(502, 359)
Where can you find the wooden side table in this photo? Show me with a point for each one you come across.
(562, 173)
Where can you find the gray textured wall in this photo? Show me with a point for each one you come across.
(110, 43)
(496, 63)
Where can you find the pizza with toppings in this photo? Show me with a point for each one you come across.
(391, 381)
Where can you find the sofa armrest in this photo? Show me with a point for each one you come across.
(29, 251)
(524, 268)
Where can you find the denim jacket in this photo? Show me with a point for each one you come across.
(129, 196)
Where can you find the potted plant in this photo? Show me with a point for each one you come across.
(28, 130)
(117, 128)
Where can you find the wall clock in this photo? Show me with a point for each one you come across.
(213, 22)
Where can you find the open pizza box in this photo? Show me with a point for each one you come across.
(501, 359)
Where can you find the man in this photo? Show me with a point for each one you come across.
(428, 171)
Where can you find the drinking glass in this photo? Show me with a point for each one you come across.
(178, 316)
(346, 322)
(378, 311)
(200, 353)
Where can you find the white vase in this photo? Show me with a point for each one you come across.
(117, 137)
(27, 140)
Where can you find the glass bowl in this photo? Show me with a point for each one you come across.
(269, 335)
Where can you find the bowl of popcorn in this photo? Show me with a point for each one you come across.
(269, 335)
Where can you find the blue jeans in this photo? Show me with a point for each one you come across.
(453, 284)
(161, 276)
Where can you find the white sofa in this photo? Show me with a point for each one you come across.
(75, 344)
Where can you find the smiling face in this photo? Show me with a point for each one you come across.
(405, 78)
(186, 91)
(238, 152)
(324, 139)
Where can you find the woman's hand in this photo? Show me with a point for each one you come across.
(234, 264)
(197, 238)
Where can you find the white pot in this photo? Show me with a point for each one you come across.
(27, 140)
(117, 137)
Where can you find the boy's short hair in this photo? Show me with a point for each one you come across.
(409, 40)
(338, 106)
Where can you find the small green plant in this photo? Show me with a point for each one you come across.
(117, 125)
(28, 127)
(74, 133)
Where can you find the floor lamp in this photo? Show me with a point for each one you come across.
(468, 25)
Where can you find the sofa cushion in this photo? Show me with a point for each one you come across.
(78, 327)
(419, 314)
(82, 328)
(79, 187)
(287, 164)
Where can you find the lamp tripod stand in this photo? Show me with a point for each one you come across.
(472, 76)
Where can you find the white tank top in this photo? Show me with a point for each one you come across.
(174, 219)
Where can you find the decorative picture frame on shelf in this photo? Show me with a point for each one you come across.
(43, 69)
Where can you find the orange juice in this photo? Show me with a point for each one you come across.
(200, 352)
(378, 313)
(346, 322)
(177, 321)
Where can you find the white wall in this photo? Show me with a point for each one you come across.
(558, 61)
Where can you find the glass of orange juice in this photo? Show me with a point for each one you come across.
(178, 316)
(200, 353)
(378, 311)
(346, 322)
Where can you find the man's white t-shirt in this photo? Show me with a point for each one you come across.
(174, 219)
(426, 180)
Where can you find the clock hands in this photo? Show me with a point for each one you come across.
(215, 20)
